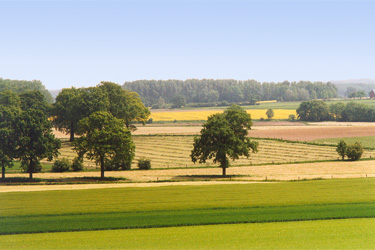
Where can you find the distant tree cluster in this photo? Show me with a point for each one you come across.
(21, 86)
(317, 110)
(210, 92)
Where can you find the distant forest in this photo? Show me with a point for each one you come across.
(210, 92)
(22, 86)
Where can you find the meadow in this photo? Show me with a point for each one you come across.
(366, 141)
(178, 206)
(323, 234)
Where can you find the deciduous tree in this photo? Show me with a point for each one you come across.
(341, 148)
(124, 104)
(269, 114)
(8, 138)
(224, 136)
(35, 140)
(104, 139)
(74, 104)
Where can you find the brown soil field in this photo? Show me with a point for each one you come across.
(279, 130)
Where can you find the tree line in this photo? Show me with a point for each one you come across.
(164, 93)
(21, 86)
(101, 115)
(317, 110)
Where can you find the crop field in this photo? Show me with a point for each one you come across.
(200, 115)
(168, 210)
(174, 152)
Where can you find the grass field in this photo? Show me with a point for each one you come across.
(326, 234)
(366, 141)
(157, 208)
(185, 205)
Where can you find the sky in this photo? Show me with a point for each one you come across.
(80, 43)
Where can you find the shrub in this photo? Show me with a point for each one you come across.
(150, 121)
(77, 164)
(270, 114)
(354, 152)
(62, 165)
(144, 164)
(292, 118)
(37, 167)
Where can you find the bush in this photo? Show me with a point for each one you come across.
(62, 165)
(150, 121)
(292, 118)
(77, 164)
(354, 152)
(26, 166)
(144, 164)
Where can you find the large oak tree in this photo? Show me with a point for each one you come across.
(104, 139)
(224, 136)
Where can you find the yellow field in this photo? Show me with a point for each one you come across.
(203, 114)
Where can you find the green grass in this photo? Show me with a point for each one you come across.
(185, 205)
(326, 234)
(171, 218)
(366, 141)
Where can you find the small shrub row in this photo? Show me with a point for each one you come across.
(63, 165)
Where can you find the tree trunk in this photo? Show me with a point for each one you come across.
(3, 172)
(31, 170)
(71, 132)
(101, 168)
(224, 171)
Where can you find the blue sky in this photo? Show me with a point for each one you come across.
(80, 43)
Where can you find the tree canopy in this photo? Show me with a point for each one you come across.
(104, 139)
(224, 136)
(35, 140)
(8, 137)
(73, 104)
(21, 86)
(124, 104)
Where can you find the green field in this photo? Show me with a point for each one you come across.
(327, 234)
(309, 214)
(293, 105)
(366, 141)
(53, 211)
